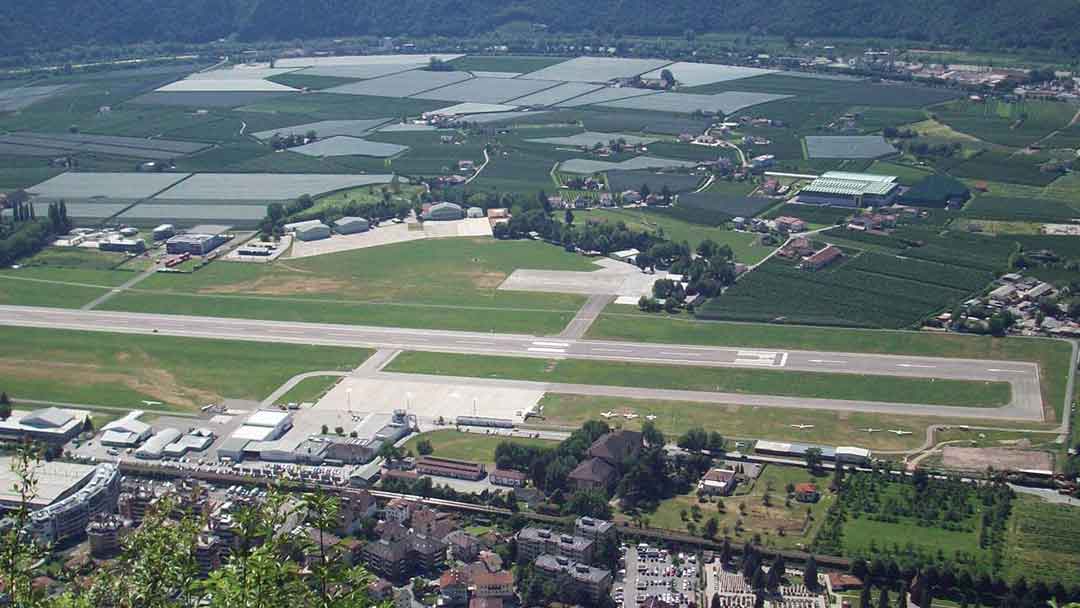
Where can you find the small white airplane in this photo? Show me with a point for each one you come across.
(801, 427)
(899, 432)
(148, 403)
(630, 415)
(608, 414)
(650, 417)
(871, 430)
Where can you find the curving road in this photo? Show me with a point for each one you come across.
(1026, 403)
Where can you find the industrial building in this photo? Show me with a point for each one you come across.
(68, 517)
(195, 244)
(440, 212)
(843, 454)
(311, 230)
(126, 432)
(122, 245)
(352, 225)
(446, 467)
(51, 425)
(843, 189)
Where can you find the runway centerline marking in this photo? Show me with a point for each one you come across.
(548, 350)
(559, 344)
(825, 361)
(915, 365)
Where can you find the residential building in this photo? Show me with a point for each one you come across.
(447, 467)
(822, 258)
(537, 541)
(720, 482)
(464, 547)
(786, 223)
(574, 580)
(68, 518)
(453, 588)
(593, 474)
(806, 492)
(436, 524)
(507, 477)
(486, 584)
(616, 447)
(355, 506)
(399, 510)
(104, 533)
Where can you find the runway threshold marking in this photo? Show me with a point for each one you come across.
(1010, 371)
(825, 361)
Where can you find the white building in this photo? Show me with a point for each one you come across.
(53, 424)
(126, 432)
(154, 448)
(68, 517)
(311, 230)
(352, 225)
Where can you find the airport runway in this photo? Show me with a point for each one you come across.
(1026, 401)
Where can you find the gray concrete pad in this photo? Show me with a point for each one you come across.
(611, 278)
(430, 399)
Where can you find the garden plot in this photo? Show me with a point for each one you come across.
(328, 128)
(349, 146)
(1002, 459)
(597, 69)
(557, 94)
(209, 99)
(847, 146)
(689, 74)
(473, 108)
(404, 84)
(221, 85)
(15, 99)
(190, 214)
(351, 60)
(487, 90)
(587, 166)
(727, 102)
(240, 72)
(604, 95)
(485, 74)
(262, 187)
(119, 188)
(589, 139)
(67, 143)
(359, 72)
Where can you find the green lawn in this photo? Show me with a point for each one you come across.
(743, 244)
(1053, 356)
(65, 278)
(434, 283)
(121, 370)
(308, 390)
(751, 381)
(475, 447)
(782, 524)
(863, 536)
(1043, 539)
(738, 421)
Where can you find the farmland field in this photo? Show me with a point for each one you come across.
(1009, 124)
(1043, 538)
(505, 63)
(435, 283)
(750, 381)
(121, 370)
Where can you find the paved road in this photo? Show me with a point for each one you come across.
(1026, 401)
(585, 317)
(116, 290)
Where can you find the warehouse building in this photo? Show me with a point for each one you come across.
(154, 448)
(352, 225)
(194, 244)
(843, 189)
(311, 230)
(852, 455)
(68, 517)
(792, 450)
(448, 467)
(441, 212)
(51, 425)
(163, 231)
(55, 480)
(122, 245)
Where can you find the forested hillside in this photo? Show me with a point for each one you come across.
(49, 24)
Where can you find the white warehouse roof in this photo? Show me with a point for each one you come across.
(269, 418)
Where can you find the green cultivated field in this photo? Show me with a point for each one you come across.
(750, 381)
(435, 283)
(1010, 124)
(505, 63)
(1053, 356)
(66, 278)
(736, 421)
(1043, 538)
(121, 370)
(475, 447)
(742, 243)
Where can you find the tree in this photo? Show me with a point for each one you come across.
(5, 406)
(716, 602)
(813, 459)
(715, 442)
(667, 77)
(568, 217)
(652, 435)
(864, 596)
(776, 573)
(810, 574)
(883, 599)
(694, 439)
(588, 503)
(712, 526)
(424, 447)
(325, 430)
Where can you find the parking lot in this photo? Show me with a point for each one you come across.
(652, 572)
